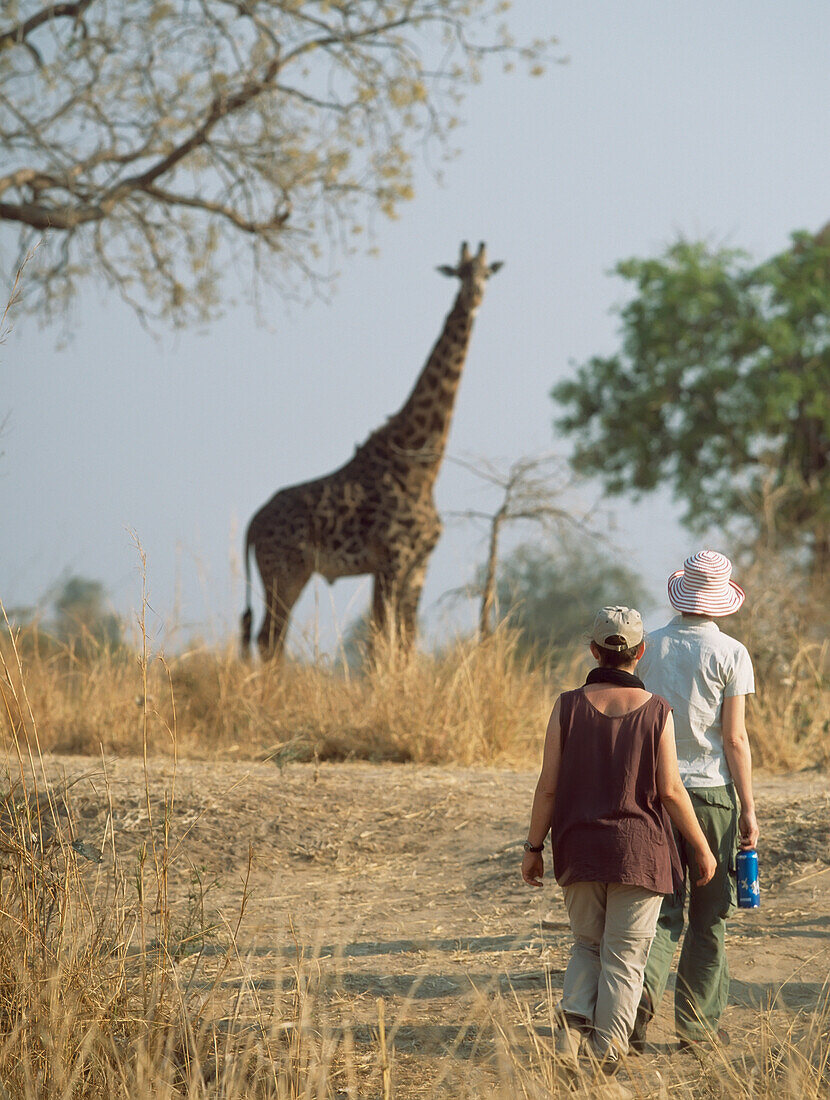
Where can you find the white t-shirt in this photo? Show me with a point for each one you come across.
(694, 666)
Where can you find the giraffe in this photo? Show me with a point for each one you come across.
(376, 513)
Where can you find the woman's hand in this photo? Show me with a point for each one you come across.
(706, 865)
(748, 828)
(544, 798)
(533, 868)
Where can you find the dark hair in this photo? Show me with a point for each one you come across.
(613, 658)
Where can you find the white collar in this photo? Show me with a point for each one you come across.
(694, 622)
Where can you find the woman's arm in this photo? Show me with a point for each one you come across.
(675, 798)
(739, 762)
(533, 865)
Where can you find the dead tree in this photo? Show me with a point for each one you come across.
(532, 489)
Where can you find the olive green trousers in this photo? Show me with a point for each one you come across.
(702, 985)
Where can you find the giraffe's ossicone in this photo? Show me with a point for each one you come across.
(376, 514)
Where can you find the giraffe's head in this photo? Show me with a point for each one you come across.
(473, 271)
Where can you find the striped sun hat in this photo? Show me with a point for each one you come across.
(703, 587)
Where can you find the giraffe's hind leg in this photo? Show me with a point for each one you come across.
(282, 590)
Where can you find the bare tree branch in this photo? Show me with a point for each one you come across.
(18, 34)
(277, 221)
(221, 107)
(283, 123)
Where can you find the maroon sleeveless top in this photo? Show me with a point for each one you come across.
(609, 824)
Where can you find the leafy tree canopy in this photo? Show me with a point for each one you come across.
(151, 142)
(720, 388)
(552, 595)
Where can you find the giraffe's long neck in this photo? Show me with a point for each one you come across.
(420, 428)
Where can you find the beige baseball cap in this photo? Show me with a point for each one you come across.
(623, 622)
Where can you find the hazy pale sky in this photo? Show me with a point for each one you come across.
(705, 120)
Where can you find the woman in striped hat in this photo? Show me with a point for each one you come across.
(705, 675)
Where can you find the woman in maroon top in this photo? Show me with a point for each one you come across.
(608, 785)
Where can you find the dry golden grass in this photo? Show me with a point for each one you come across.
(784, 626)
(474, 703)
(94, 1000)
(96, 1004)
(789, 717)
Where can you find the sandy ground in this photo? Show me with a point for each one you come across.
(402, 882)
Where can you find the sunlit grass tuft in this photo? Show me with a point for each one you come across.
(476, 702)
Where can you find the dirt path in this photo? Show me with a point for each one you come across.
(402, 883)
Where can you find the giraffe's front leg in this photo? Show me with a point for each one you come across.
(411, 580)
(408, 602)
(397, 594)
(384, 606)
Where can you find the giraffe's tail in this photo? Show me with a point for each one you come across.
(247, 615)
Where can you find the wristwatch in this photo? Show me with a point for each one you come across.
(528, 847)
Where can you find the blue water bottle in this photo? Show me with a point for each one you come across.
(749, 888)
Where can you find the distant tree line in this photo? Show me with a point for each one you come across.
(77, 621)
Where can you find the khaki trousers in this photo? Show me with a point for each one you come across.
(613, 926)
